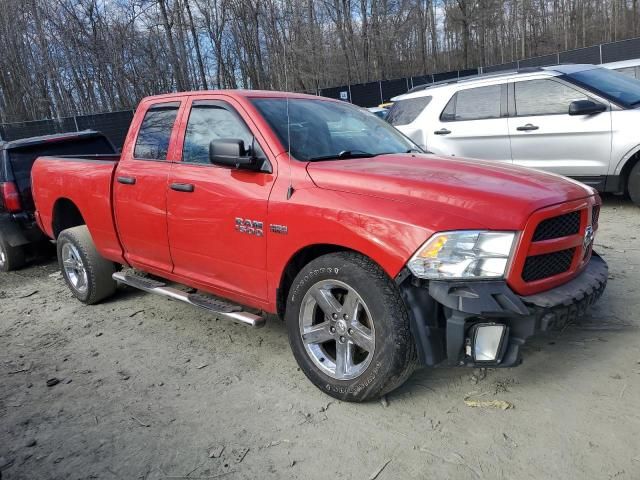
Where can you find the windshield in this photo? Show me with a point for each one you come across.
(321, 130)
(612, 85)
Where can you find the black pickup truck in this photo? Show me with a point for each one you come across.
(19, 234)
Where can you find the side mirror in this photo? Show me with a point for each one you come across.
(586, 107)
(230, 152)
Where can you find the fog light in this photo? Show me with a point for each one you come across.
(487, 341)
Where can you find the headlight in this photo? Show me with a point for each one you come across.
(463, 254)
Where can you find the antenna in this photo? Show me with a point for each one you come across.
(286, 87)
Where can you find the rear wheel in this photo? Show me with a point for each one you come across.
(633, 184)
(11, 258)
(88, 275)
(348, 327)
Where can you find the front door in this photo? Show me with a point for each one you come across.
(544, 135)
(140, 190)
(473, 125)
(217, 216)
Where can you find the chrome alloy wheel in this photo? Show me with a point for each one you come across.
(3, 256)
(337, 329)
(74, 268)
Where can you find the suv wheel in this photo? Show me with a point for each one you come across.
(348, 327)
(633, 184)
(87, 274)
(11, 258)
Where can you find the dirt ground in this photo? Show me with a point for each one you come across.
(153, 389)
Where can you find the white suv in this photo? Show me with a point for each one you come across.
(575, 120)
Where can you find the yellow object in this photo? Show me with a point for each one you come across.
(386, 105)
(432, 249)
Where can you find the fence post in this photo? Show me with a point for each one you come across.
(380, 87)
(75, 121)
(600, 52)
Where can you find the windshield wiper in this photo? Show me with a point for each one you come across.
(345, 154)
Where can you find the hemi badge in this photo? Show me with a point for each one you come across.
(282, 229)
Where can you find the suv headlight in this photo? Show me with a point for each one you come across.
(463, 254)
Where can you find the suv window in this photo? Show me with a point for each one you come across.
(155, 132)
(406, 111)
(474, 104)
(209, 121)
(544, 97)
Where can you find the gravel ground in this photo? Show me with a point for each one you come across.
(150, 389)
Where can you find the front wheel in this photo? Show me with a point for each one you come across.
(633, 184)
(87, 274)
(348, 327)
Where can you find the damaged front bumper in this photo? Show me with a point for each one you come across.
(446, 315)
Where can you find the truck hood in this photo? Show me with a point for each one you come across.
(496, 195)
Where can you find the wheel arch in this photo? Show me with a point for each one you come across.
(66, 214)
(626, 169)
(297, 261)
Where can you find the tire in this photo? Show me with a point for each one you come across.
(11, 258)
(87, 274)
(374, 340)
(633, 184)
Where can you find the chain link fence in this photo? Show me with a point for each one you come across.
(116, 124)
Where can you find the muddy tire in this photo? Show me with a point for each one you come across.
(87, 274)
(633, 184)
(349, 328)
(11, 258)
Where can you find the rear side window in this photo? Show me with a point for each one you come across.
(544, 97)
(155, 132)
(406, 111)
(474, 104)
(207, 123)
(628, 71)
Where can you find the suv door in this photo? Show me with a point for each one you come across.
(140, 189)
(544, 135)
(473, 125)
(217, 216)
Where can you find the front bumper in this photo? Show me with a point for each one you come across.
(442, 313)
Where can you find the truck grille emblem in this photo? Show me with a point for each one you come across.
(588, 237)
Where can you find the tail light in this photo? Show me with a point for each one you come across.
(10, 197)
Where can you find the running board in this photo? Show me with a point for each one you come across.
(220, 308)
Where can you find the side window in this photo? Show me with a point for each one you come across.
(628, 71)
(155, 132)
(208, 122)
(474, 104)
(544, 97)
(404, 112)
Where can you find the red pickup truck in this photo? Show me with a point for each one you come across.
(379, 257)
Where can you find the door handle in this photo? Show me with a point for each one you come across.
(183, 187)
(527, 128)
(442, 131)
(127, 180)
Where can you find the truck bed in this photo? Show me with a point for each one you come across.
(86, 182)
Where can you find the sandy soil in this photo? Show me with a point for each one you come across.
(152, 389)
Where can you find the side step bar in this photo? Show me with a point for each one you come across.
(220, 308)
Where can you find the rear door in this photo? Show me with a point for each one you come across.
(473, 125)
(544, 135)
(140, 188)
(217, 216)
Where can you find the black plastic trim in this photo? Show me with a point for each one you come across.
(441, 313)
